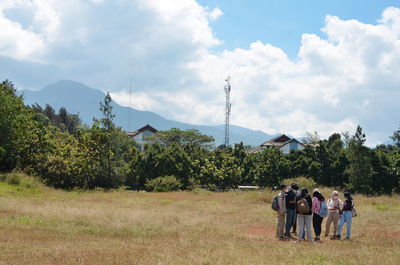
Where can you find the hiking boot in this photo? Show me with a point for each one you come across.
(294, 233)
(338, 237)
(316, 239)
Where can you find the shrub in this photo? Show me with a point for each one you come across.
(302, 182)
(20, 179)
(164, 184)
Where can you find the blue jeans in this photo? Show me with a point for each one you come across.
(290, 220)
(304, 221)
(346, 217)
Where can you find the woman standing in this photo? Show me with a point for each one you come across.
(316, 207)
(303, 203)
(334, 206)
(347, 215)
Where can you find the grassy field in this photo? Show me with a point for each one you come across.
(40, 225)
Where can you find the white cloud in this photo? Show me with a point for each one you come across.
(215, 14)
(350, 77)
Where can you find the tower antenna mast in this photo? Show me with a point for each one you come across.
(130, 104)
(227, 89)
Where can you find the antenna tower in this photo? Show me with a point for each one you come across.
(227, 89)
(130, 104)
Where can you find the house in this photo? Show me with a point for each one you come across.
(283, 142)
(140, 136)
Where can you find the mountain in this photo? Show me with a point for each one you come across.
(78, 98)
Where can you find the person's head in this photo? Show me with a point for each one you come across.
(347, 195)
(316, 192)
(283, 187)
(294, 186)
(335, 195)
(304, 192)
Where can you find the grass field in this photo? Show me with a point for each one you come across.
(40, 225)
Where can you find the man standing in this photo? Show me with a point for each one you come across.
(290, 211)
(281, 213)
(295, 189)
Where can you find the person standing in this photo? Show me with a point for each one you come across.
(317, 201)
(281, 213)
(295, 188)
(304, 216)
(334, 206)
(347, 215)
(290, 211)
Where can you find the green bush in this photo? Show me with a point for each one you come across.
(164, 184)
(302, 182)
(20, 179)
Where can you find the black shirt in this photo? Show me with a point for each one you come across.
(290, 200)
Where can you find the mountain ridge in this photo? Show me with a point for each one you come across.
(79, 98)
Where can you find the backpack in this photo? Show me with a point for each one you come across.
(275, 204)
(303, 207)
(323, 210)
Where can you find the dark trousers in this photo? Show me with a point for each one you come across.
(295, 222)
(317, 222)
(290, 219)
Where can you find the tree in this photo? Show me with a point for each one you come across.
(270, 167)
(160, 161)
(360, 170)
(384, 177)
(108, 117)
(395, 164)
(220, 170)
(189, 138)
(109, 146)
(396, 138)
(346, 139)
(23, 140)
(63, 120)
(312, 138)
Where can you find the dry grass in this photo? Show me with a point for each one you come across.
(46, 226)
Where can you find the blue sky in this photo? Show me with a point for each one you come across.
(295, 66)
(282, 22)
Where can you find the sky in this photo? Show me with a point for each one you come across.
(295, 66)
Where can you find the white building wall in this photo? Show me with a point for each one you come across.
(138, 138)
(285, 149)
(141, 137)
(294, 145)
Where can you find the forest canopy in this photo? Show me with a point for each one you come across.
(56, 147)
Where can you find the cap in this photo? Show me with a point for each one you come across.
(316, 190)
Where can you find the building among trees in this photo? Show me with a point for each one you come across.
(141, 136)
(283, 142)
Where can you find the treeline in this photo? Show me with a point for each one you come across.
(66, 154)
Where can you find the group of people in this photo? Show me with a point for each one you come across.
(296, 210)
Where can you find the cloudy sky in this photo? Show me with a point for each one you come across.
(295, 66)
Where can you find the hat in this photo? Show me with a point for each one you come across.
(316, 190)
(335, 194)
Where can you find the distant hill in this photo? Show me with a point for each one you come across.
(78, 98)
